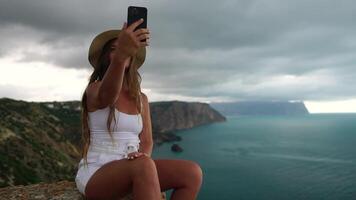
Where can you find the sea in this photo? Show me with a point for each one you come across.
(272, 157)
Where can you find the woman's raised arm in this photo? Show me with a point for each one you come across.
(127, 44)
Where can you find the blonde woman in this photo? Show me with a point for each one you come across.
(116, 127)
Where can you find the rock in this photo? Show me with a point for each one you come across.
(62, 190)
(176, 148)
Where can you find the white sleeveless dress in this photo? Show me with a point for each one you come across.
(101, 150)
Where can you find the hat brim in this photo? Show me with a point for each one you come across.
(101, 39)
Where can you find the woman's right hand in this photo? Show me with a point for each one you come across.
(129, 41)
(134, 155)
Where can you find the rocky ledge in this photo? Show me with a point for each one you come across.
(62, 190)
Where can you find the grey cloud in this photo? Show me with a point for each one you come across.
(204, 48)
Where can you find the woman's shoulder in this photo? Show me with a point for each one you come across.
(144, 97)
(92, 93)
(93, 86)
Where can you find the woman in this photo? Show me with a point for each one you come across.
(117, 161)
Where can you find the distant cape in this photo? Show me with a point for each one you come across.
(261, 108)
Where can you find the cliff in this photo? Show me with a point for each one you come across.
(261, 108)
(171, 116)
(41, 141)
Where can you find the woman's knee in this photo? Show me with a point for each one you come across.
(144, 165)
(195, 173)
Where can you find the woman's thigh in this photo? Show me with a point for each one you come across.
(175, 173)
(113, 180)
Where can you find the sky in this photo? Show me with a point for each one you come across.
(206, 51)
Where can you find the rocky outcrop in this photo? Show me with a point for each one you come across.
(176, 148)
(178, 115)
(62, 190)
(170, 116)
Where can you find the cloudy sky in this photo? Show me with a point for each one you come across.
(199, 50)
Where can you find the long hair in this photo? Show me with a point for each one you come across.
(133, 80)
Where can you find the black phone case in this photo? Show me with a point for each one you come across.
(135, 13)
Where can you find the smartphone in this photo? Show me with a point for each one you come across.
(135, 13)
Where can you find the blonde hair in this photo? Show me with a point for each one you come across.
(133, 80)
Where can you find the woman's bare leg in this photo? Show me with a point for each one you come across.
(184, 176)
(145, 181)
(118, 178)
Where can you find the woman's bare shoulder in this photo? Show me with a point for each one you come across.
(92, 88)
(92, 94)
(144, 97)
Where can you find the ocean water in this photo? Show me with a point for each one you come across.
(273, 157)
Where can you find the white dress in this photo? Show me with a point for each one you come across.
(101, 150)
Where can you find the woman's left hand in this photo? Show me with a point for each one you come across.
(136, 154)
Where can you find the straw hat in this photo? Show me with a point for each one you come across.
(98, 43)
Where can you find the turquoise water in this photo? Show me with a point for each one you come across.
(273, 157)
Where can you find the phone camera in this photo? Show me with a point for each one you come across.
(135, 11)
